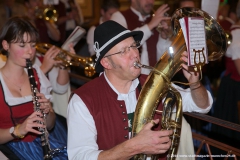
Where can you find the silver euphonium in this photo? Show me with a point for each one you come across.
(158, 84)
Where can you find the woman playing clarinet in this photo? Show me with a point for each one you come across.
(21, 125)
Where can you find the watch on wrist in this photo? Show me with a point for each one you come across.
(11, 131)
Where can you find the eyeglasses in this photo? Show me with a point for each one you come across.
(125, 50)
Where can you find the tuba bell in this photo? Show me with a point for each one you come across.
(158, 84)
(86, 62)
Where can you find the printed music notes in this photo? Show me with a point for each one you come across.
(194, 33)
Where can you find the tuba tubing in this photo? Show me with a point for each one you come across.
(158, 83)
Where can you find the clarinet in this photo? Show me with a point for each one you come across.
(44, 135)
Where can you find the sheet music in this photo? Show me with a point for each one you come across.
(197, 39)
(194, 34)
(75, 36)
(183, 27)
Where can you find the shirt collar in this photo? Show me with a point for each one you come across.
(140, 17)
(133, 87)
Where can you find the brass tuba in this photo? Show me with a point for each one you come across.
(158, 83)
(76, 60)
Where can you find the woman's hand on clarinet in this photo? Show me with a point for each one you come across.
(34, 121)
(45, 104)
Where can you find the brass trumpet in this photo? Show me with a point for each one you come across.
(76, 60)
(46, 13)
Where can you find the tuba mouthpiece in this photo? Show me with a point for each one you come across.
(137, 64)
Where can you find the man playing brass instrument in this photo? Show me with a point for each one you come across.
(100, 113)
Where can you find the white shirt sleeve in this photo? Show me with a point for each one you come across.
(82, 133)
(58, 88)
(90, 40)
(188, 103)
(119, 18)
(233, 49)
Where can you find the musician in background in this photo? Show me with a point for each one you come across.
(70, 16)
(57, 74)
(228, 95)
(186, 3)
(47, 29)
(100, 113)
(18, 120)
(140, 17)
(108, 7)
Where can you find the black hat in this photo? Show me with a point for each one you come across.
(107, 35)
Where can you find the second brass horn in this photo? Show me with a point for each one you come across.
(46, 13)
(158, 83)
(86, 62)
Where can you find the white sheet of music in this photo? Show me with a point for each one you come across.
(195, 38)
(74, 37)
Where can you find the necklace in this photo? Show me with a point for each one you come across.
(19, 88)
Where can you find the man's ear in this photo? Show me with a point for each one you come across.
(5, 45)
(105, 63)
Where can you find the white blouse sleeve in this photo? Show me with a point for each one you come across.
(233, 50)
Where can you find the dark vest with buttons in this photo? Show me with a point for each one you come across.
(132, 23)
(109, 114)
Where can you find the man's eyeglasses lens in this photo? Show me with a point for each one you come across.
(124, 50)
